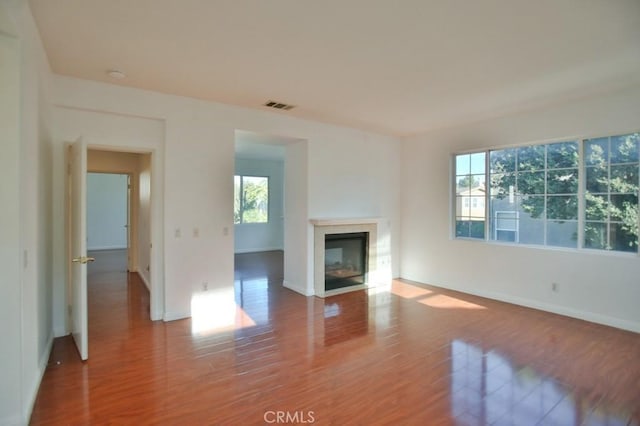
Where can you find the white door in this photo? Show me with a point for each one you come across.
(78, 241)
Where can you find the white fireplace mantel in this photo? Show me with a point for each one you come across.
(345, 221)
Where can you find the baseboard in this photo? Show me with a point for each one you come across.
(257, 250)
(174, 316)
(59, 332)
(102, 248)
(575, 313)
(42, 367)
(144, 280)
(302, 291)
(554, 309)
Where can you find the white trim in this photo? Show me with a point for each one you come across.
(174, 316)
(321, 228)
(302, 290)
(258, 250)
(345, 221)
(607, 320)
(42, 368)
(144, 280)
(329, 293)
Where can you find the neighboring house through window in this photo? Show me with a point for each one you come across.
(576, 194)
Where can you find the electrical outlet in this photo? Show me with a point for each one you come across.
(555, 287)
(205, 286)
(225, 231)
(178, 233)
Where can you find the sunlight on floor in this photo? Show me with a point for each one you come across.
(448, 302)
(215, 311)
(408, 291)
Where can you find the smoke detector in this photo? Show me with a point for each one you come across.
(117, 74)
(278, 105)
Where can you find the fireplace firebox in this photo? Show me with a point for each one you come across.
(346, 257)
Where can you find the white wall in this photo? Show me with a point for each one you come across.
(199, 149)
(11, 384)
(143, 264)
(601, 287)
(25, 248)
(298, 273)
(252, 237)
(106, 211)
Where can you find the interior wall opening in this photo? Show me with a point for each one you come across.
(118, 217)
(259, 207)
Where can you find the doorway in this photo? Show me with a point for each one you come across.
(125, 259)
(108, 220)
(283, 161)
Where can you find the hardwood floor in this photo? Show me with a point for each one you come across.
(412, 355)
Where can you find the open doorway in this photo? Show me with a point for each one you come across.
(108, 220)
(118, 231)
(273, 251)
(258, 220)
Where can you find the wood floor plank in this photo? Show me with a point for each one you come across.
(414, 354)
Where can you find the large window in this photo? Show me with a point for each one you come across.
(251, 199)
(534, 194)
(611, 193)
(576, 194)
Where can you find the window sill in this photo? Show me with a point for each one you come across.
(588, 251)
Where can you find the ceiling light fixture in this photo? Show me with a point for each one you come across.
(117, 74)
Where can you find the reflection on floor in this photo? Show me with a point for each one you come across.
(413, 354)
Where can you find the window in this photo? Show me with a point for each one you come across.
(251, 199)
(534, 193)
(470, 193)
(576, 194)
(611, 193)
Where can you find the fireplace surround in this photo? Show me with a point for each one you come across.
(340, 230)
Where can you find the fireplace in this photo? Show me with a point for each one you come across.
(346, 259)
(345, 255)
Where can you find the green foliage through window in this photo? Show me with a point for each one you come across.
(538, 187)
(611, 193)
(251, 199)
(578, 194)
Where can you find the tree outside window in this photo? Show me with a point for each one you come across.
(251, 199)
(536, 188)
(611, 196)
(576, 194)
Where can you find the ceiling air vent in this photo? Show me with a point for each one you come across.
(279, 105)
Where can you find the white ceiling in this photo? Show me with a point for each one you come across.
(399, 67)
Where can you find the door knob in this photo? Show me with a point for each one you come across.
(83, 259)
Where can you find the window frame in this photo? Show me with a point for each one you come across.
(242, 198)
(581, 196)
(465, 201)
